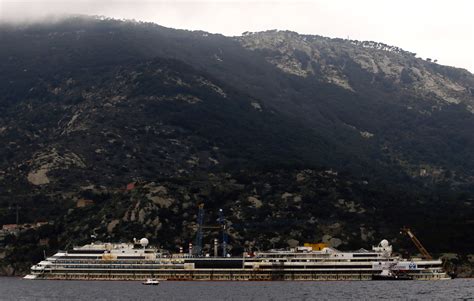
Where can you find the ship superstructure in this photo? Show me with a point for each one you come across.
(138, 261)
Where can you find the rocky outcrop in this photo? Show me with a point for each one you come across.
(47, 160)
(328, 59)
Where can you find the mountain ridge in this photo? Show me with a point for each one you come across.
(90, 105)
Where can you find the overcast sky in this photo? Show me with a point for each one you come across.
(438, 29)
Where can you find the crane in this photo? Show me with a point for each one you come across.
(200, 219)
(200, 230)
(417, 243)
(224, 232)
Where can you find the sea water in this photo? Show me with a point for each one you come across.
(19, 289)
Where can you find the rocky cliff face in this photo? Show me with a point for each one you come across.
(331, 60)
(299, 138)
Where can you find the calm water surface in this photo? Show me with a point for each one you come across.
(19, 289)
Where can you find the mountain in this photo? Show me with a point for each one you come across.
(297, 137)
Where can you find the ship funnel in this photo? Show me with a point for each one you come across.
(216, 246)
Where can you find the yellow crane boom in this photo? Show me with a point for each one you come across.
(417, 243)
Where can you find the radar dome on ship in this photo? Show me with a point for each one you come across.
(144, 242)
(384, 243)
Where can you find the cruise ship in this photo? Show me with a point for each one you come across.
(139, 261)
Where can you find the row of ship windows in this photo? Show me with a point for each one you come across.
(319, 260)
(319, 255)
(105, 251)
(109, 267)
(197, 273)
(92, 261)
(98, 257)
(158, 267)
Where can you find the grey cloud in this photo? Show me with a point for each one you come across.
(436, 28)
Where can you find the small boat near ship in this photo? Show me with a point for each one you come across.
(151, 281)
